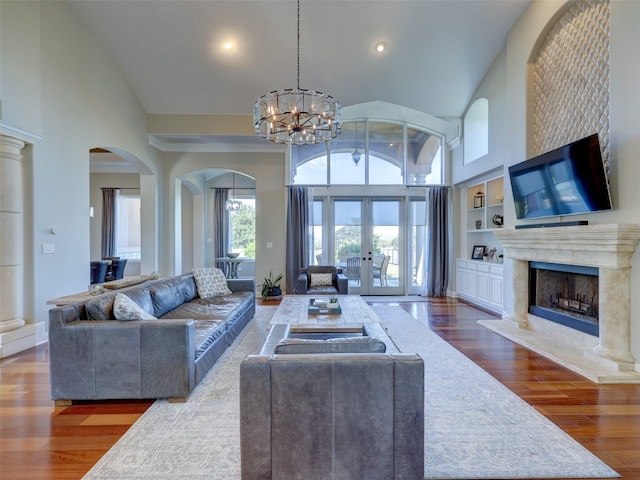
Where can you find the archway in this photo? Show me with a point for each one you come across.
(197, 233)
(112, 167)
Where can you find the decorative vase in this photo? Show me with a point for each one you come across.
(274, 292)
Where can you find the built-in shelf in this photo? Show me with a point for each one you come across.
(477, 281)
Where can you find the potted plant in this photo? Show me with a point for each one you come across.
(271, 286)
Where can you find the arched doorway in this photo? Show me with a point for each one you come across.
(209, 227)
(136, 208)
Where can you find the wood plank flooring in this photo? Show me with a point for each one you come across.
(39, 441)
(604, 418)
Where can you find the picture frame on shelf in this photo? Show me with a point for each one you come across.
(478, 252)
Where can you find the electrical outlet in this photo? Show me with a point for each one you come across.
(269, 244)
(48, 248)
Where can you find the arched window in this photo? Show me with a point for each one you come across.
(476, 130)
(371, 152)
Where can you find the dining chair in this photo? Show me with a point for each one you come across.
(381, 272)
(117, 269)
(353, 268)
(98, 271)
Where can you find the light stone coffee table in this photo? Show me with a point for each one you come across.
(292, 318)
(293, 310)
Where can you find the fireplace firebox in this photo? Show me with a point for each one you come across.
(565, 294)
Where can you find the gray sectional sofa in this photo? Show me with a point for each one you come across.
(93, 356)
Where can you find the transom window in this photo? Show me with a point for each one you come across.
(371, 152)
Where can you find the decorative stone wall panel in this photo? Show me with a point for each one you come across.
(570, 79)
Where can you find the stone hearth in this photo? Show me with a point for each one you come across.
(603, 359)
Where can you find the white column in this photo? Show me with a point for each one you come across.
(615, 311)
(11, 233)
(519, 293)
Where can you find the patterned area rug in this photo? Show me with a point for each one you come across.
(474, 426)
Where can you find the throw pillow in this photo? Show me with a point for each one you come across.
(126, 309)
(210, 282)
(321, 279)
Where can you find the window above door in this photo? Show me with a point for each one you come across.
(371, 152)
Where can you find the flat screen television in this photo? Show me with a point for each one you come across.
(566, 181)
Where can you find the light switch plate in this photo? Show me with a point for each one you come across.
(48, 248)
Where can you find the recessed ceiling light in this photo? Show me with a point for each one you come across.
(380, 47)
(228, 45)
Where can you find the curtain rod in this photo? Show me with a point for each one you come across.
(122, 188)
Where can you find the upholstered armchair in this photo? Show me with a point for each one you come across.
(319, 416)
(321, 280)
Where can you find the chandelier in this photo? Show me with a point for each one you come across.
(232, 204)
(297, 116)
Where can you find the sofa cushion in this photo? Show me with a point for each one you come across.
(166, 296)
(211, 282)
(101, 307)
(126, 309)
(318, 279)
(332, 345)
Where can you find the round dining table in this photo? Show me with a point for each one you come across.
(231, 265)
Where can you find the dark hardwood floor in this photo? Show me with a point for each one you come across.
(39, 441)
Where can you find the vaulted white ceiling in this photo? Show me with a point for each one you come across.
(171, 50)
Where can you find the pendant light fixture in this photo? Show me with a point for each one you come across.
(297, 116)
(356, 154)
(232, 204)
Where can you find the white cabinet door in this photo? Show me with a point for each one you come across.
(460, 278)
(496, 291)
(470, 283)
(482, 286)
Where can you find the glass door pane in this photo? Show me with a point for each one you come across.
(318, 254)
(417, 260)
(384, 273)
(347, 220)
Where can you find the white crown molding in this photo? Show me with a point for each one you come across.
(221, 147)
(26, 136)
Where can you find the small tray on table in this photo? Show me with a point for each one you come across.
(318, 306)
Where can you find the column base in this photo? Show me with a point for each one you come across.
(17, 340)
(518, 321)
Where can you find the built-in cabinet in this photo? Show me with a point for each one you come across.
(481, 283)
(482, 213)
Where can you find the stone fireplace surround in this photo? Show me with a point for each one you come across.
(603, 359)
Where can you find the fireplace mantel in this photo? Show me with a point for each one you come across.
(604, 359)
(609, 246)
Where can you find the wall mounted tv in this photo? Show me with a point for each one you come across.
(565, 181)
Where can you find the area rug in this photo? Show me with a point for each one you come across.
(475, 427)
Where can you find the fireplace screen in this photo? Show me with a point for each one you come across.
(566, 294)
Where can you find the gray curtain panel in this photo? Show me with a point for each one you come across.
(221, 222)
(437, 279)
(109, 222)
(298, 224)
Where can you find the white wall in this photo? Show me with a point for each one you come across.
(58, 83)
(269, 173)
(505, 87)
(493, 88)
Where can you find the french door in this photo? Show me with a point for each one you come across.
(367, 243)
